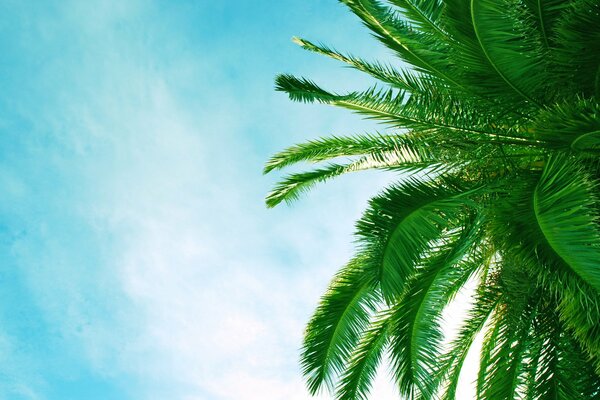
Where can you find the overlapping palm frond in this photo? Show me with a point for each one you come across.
(337, 324)
(493, 123)
(417, 333)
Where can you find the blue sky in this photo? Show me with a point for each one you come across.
(137, 258)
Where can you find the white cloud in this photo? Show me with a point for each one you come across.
(204, 292)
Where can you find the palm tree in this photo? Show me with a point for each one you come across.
(495, 129)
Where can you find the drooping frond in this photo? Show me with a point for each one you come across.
(417, 334)
(400, 223)
(497, 32)
(561, 368)
(488, 297)
(338, 323)
(503, 374)
(358, 376)
(517, 233)
(496, 50)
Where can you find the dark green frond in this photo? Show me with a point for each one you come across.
(424, 15)
(577, 55)
(497, 31)
(545, 14)
(572, 125)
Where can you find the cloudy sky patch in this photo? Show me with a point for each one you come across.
(138, 258)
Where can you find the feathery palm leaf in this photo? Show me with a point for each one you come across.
(493, 123)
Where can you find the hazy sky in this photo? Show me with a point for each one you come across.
(137, 258)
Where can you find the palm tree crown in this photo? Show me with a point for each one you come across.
(496, 130)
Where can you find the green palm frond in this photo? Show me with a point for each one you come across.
(496, 33)
(545, 14)
(423, 52)
(562, 369)
(416, 337)
(425, 15)
(338, 323)
(384, 73)
(577, 55)
(564, 208)
(488, 297)
(497, 50)
(407, 147)
(427, 112)
(572, 125)
(503, 374)
(292, 186)
(362, 366)
(493, 122)
(399, 225)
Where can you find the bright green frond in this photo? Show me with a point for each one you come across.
(356, 380)
(408, 148)
(295, 185)
(385, 73)
(417, 334)
(338, 323)
(399, 225)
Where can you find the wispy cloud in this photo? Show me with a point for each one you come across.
(133, 217)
